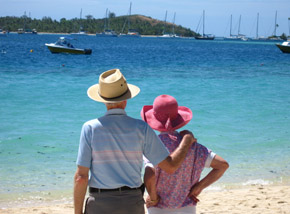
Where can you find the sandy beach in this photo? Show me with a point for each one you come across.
(253, 199)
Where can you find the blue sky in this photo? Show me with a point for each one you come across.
(188, 12)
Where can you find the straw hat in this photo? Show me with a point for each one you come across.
(165, 114)
(112, 88)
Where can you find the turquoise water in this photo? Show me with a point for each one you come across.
(239, 93)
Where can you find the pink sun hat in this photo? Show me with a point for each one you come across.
(165, 114)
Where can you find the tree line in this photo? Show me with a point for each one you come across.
(144, 25)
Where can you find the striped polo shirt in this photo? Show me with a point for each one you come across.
(112, 147)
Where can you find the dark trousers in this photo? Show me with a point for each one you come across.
(115, 202)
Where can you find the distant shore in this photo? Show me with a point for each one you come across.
(89, 34)
(266, 199)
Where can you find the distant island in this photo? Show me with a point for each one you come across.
(143, 24)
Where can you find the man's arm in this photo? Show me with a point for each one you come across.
(150, 184)
(219, 166)
(80, 188)
(175, 159)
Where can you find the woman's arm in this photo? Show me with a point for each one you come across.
(219, 166)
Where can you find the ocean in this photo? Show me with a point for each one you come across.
(239, 93)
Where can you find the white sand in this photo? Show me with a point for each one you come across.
(256, 199)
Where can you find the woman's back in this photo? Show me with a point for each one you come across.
(173, 189)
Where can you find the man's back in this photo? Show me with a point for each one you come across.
(113, 145)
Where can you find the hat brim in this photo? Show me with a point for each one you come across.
(184, 116)
(94, 95)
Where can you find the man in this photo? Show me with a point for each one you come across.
(111, 149)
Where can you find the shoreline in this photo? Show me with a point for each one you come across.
(254, 198)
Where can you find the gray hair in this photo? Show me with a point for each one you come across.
(112, 105)
(116, 105)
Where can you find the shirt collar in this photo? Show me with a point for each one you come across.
(172, 132)
(115, 111)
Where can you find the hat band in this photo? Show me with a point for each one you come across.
(111, 98)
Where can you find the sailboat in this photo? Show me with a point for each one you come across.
(131, 32)
(239, 36)
(165, 35)
(258, 38)
(26, 30)
(169, 35)
(107, 31)
(274, 37)
(204, 36)
(81, 31)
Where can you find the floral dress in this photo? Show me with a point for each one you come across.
(173, 189)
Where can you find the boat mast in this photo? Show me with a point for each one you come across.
(231, 25)
(24, 26)
(289, 25)
(105, 25)
(173, 23)
(129, 16)
(165, 22)
(275, 24)
(257, 30)
(81, 27)
(108, 20)
(203, 24)
(239, 25)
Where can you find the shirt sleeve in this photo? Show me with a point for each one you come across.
(154, 149)
(85, 150)
(147, 162)
(209, 159)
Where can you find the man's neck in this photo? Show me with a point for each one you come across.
(120, 105)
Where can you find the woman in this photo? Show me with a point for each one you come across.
(177, 192)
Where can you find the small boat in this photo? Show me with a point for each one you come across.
(64, 46)
(205, 37)
(107, 33)
(3, 32)
(20, 31)
(131, 33)
(284, 47)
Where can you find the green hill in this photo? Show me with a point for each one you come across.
(143, 24)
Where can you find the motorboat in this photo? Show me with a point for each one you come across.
(284, 47)
(62, 45)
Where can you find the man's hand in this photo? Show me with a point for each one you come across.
(188, 136)
(175, 159)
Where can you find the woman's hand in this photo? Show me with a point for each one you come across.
(194, 192)
(151, 203)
